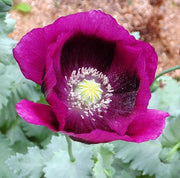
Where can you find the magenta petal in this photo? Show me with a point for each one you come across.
(119, 125)
(53, 79)
(91, 23)
(86, 51)
(37, 114)
(30, 54)
(58, 107)
(146, 126)
(96, 136)
(150, 57)
(90, 40)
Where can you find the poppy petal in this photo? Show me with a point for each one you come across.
(37, 114)
(147, 125)
(30, 55)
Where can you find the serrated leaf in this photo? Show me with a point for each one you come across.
(103, 159)
(9, 24)
(6, 79)
(171, 134)
(6, 25)
(29, 165)
(53, 161)
(12, 91)
(17, 138)
(5, 153)
(123, 170)
(6, 45)
(13, 88)
(98, 169)
(167, 98)
(145, 157)
(40, 135)
(60, 164)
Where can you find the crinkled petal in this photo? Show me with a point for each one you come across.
(146, 126)
(74, 123)
(86, 51)
(130, 53)
(96, 136)
(146, 68)
(38, 114)
(150, 58)
(119, 124)
(93, 22)
(49, 78)
(77, 124)
(144, 93)
(30, 54)
(125, 88)
(53, 80)
(58, 107)
(138, 60)
(48, 55)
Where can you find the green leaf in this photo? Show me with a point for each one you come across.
(167, 98)
(6, 25)
(5, 5)
(171, 134)
(7, 78)
(123, 170)
(53, 161)
(17, 137)
(23, 7)
(13, 88)
(103, 159)
(5, 153)
(59, 163)
(29, 165)
(145, 157)
(154, 86)
(6, 45)
(40, 135)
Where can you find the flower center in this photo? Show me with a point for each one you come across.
(89, 91)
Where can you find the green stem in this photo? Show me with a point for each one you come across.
(155, 84)
(72, 159)
(174, 149)
(167, 71)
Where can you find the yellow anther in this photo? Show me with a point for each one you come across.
(89, 91)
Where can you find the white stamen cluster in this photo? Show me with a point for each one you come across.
(75, 98)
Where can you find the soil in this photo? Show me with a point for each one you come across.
(158, 21)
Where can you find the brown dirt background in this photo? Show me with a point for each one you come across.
(158, 21)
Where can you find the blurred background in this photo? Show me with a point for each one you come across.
(157, 21)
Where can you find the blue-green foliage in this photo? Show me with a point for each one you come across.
(15, 134)
(5, 6)
(53, 161)
(28, 151)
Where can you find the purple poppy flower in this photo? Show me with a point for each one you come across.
(95, 77)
